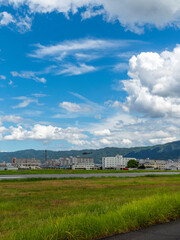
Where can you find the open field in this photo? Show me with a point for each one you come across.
(69, 171)
(85, 208)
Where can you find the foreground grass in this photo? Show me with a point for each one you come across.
(69, 171)
(85, 208)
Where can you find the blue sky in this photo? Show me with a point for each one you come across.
(82, 74)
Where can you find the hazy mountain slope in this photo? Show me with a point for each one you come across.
(165, 151)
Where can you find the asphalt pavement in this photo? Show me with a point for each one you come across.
(166, 231)
(87, 175)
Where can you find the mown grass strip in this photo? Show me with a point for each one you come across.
(69, 171)
(98, 221)
(37, 179)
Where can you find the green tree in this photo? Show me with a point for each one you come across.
(142, 167)
(132, 163)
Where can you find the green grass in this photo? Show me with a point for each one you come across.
(80, 209)
(69, 171)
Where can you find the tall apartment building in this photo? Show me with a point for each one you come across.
(117, 162)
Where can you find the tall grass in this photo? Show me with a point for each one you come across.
(85, 208)
(98, 221)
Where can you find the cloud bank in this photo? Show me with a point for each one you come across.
(132, 15)
(46, 133)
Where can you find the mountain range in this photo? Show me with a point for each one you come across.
(161, 152)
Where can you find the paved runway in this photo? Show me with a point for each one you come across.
(166, 231)
(88, 175)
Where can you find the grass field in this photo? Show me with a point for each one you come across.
(69, 171)
(85, 208)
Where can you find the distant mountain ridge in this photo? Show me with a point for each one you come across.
(162, 152)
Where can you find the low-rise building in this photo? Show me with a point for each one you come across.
(156, 164)
(153, 164)
(61, 163)
(7, 166)
(83, 163)
(160, 164)
(2, 166)
(26, 163)
(172, 165)
(71, 163)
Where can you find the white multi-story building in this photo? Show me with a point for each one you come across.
(83, 163)
(117, 162)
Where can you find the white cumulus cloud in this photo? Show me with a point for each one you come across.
(154, 85)
(6, 18)
(103, 132)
